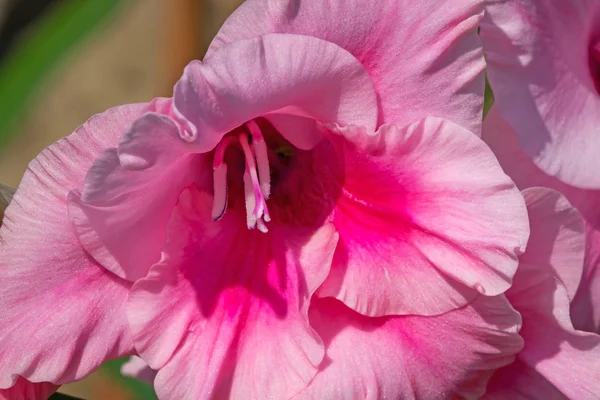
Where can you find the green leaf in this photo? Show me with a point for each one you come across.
(26, 66)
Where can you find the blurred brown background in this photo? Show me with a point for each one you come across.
(137, 55)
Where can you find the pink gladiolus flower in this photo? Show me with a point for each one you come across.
(544, 68)
(269, 231)
(499, 135)
(258, 285)
(557, 362)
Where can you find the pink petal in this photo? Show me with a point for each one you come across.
(568, 359)
(520, 382)
(425, 57)
(445, 357)
(585, 307)
(129, 193)
(425, 203)
(312, 134)
(502, 139)
(557, 240)
(232, 303)
(538, 55)
(25, 390)
(61, 313)
(137, 368)
(283, 74)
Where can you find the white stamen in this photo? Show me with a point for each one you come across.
(261, 226)
(250, 200)
(264, 170)
(251, 169)
(262, 158)
(220, 179)
(220, 192)
(220, 151)
(266, 216)
(257, 178)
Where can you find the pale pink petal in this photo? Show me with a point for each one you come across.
(129, 193)
(25, 390)
(557, 240)
(518, 381)
(585, 307)
(500, 136)
(445, 357)
(233, 304)
(61, 313)
(425, 57)
(137, 368)
(568, 359)
(311, 132)
(503, 140)
(284, 74)
(424, 203)
(538, 55)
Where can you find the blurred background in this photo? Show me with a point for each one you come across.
(61, 61)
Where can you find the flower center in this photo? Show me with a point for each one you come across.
(257, 177)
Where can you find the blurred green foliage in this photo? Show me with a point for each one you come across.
(35, 54)
(488, 100)
(139, 389)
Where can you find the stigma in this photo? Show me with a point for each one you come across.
(257, 177)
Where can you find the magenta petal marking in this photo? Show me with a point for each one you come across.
(413, 209)
(227, 316)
